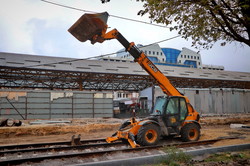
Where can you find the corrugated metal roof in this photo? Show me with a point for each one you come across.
(96, 66)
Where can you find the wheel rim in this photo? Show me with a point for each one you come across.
(10, 122)
(151, 136)
(193, 133)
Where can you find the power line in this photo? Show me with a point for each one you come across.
(162, 41)
(69, 7)
(68, 61)
(99, 56)
(119, 17)
(129, 19)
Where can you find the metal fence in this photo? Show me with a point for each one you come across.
(51, 104)
(214, 101)
(220, 101)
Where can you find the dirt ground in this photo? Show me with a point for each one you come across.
(212, 128)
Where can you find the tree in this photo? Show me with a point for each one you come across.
(204, 21)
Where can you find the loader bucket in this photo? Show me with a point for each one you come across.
(90, 27)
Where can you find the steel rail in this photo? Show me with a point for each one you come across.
(87, 154)
(22, 146)
(77, 147)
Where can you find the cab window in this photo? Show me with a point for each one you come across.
(158, 109)
(173, 106)
(183, 109)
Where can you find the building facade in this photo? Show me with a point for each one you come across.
(154, 53)
(166, 56)
(189, 57)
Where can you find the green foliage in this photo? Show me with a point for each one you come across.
(218, 157)
(175, 157)
(105, 1)
(204, 21)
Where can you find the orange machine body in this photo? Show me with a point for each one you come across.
(93, 27)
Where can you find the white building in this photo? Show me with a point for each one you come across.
(166, 56)
(212, 67)
(190, 57)
(154, 53)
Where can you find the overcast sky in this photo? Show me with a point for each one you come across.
(39, 28)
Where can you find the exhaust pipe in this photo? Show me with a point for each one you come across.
(90, 27)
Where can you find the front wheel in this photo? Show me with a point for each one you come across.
(190, 132)
(148, 135)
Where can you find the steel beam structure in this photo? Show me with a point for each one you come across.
(22, 78)
(30, 78)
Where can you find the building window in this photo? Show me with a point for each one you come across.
(188, 56)
(157, 53)
(191, 57)
(179, 61)
(199, 63)
(119, 95)
(198, 57)
(185, 56)
(181, 56)
(161, 53)
(194, 57)
(153, 52)
(145, 52)
(149, 52)
(124, 95)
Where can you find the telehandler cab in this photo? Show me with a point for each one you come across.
(172, 115)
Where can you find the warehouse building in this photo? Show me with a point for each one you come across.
(54, 87)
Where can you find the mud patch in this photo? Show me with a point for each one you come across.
(212, 128)
(227, 119)
(44, 130)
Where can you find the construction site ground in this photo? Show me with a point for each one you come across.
(95, 128)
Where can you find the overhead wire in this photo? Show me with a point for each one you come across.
(100, 56)
(89, 11)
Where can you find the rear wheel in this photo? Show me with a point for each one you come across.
(148, 135)
(190, 132)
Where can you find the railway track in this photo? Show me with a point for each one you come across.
(52, 144)
(62, 153)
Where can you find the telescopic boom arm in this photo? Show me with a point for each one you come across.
(145, 63)
(93, 27)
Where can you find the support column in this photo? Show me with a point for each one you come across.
(80, 85)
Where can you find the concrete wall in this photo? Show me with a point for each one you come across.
(214, 101)
(51, 104)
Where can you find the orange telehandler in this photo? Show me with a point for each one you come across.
(172, 114)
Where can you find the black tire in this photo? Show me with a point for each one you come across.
(148, 135)
(190, 132)
(3, 122)
(18, 123)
